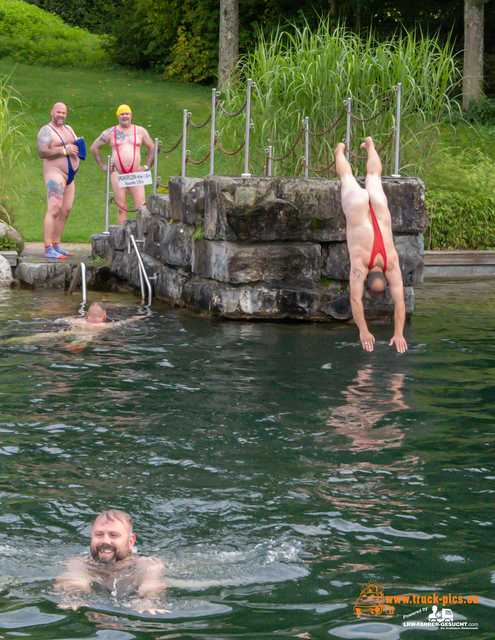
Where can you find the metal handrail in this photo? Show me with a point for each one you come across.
(81, 270)
(142, 273)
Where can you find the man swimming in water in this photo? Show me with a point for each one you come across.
(82, 330)
(57, 147)
(125, 140)
(374, 260)
(113, 566)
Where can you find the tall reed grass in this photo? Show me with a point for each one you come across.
(300, 72)
(13, 141)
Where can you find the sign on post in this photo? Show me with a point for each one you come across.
(134, 179)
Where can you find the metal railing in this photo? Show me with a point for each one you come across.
(143, 276)
(81, 271)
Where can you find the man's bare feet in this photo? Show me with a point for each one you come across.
(368, 144)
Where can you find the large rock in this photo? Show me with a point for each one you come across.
(187, 200)
(169, 285)
(43, 274)
(297, 209)
(6, 276)
(268, 301)
(254, 301)
(100, 245)
(170, 243)
(118, 237)
(236, 263)
(411, 251)
(159, 205)
(337, 264)
(272, 209)
(6, 231)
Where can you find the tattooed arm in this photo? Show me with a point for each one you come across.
(44, 141)
(97, 145)
(150, 145)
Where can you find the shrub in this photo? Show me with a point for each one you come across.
(30, 35)
(481, 111)
(93, 15)
(460, 220)
(461, 202)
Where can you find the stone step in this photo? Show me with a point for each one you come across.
(10, 256)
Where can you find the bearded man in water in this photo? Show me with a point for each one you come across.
(58, 147)
(374, 260)
(112, 566)
(125, 140)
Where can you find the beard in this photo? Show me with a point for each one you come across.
(115, 557)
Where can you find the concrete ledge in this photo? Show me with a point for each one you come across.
(453, 264)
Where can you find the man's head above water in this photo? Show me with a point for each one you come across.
(96, 313)
(112, 538)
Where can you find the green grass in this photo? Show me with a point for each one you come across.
(92, 99)
(30, 35)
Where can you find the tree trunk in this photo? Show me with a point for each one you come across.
(472, 84)
(228, 42)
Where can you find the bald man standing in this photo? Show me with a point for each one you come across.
(125, 140)
(57, 147)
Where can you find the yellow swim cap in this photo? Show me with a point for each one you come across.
(124, 108)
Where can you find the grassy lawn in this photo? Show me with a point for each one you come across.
(92, 99)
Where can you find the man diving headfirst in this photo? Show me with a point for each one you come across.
(61, 152)
(374, 260)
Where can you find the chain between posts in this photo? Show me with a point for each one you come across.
(173, 148)
(322, 170)
(291, 149)
(229, 153)
(332, 126)
(199, 126)
(112, 199)
(190, 160)
(356, 157)
(378, 113)
(231, 115)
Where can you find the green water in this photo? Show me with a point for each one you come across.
(275, 468)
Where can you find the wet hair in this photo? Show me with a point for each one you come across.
(96, 310)
(115, 514)
(376, 283)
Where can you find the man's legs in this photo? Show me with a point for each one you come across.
(120, 194)
(352, 195)
(55, 192)
(138, 196)
(373, 183)
(67, 202)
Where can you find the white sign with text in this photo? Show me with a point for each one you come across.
(135, 179)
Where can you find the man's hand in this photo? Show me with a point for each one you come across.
(72, 149)
(367, 340)
(400, 343)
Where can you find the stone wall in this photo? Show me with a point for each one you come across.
(261, 248)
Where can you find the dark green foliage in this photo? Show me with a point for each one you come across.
(7, 244)
(180, 38)
(460, 220)
(97, 16)
(481, 111)
(28, 34)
